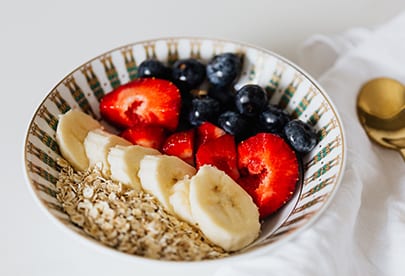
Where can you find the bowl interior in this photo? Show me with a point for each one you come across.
(286, 84)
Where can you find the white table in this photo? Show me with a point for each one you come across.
(42, 41)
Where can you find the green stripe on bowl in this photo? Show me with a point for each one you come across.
(44, 137)
(110, 71)
(93, 81)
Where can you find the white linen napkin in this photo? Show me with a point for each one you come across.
(363, 230)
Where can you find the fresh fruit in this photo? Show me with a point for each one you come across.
(250, 100)
(143, 101)
(158, 174)
(269, 171)
(188, 73)
(125, 161)
(233, 123)
(273, 119)
(300, 136)
(180, 201)
(207, 132)
(72, 129)
(221, 153)
(153, 68)
(97, 145)
(203, 109)
(223, 211)
(242, 176)
(223, 69)
(224, 95)
(150, 136)
(181, 144)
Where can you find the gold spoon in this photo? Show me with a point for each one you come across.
(381, 111)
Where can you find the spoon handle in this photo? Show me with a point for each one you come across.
(402, 152)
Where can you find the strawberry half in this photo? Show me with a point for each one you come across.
(207, 132)
(269, 169)
(181, 144)
(143, 101)
(149, 136)
(221, 153)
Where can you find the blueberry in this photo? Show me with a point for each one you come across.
(300, 136)
(188, 73)
(250, 100)
(203, 109)
(223, 69)
(233, 123)
(224, 95)
(153, 68)
(273, 119)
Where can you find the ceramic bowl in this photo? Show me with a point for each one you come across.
(287, 85)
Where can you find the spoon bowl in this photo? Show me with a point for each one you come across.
(381, 111)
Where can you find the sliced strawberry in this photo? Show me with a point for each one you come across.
(269, 169)
(143, 101)
(181, 144)
(145, 135)
(221, 153)
(208, 131)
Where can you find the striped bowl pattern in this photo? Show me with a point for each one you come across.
(286, 84)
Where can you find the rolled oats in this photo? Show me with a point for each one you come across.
(128, 220)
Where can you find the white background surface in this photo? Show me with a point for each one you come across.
(42, 41)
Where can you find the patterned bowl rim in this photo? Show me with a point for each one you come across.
(261, 251)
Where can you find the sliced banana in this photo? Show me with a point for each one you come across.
(124, 163)
(72, 129)
(223, 211)
(97, 145)
(180, 202)
(158, 174)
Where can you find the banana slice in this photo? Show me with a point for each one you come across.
(97, 145)
(72, 129)
(180, 202)
(158, 174)
(124, 163)
(223, 211)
